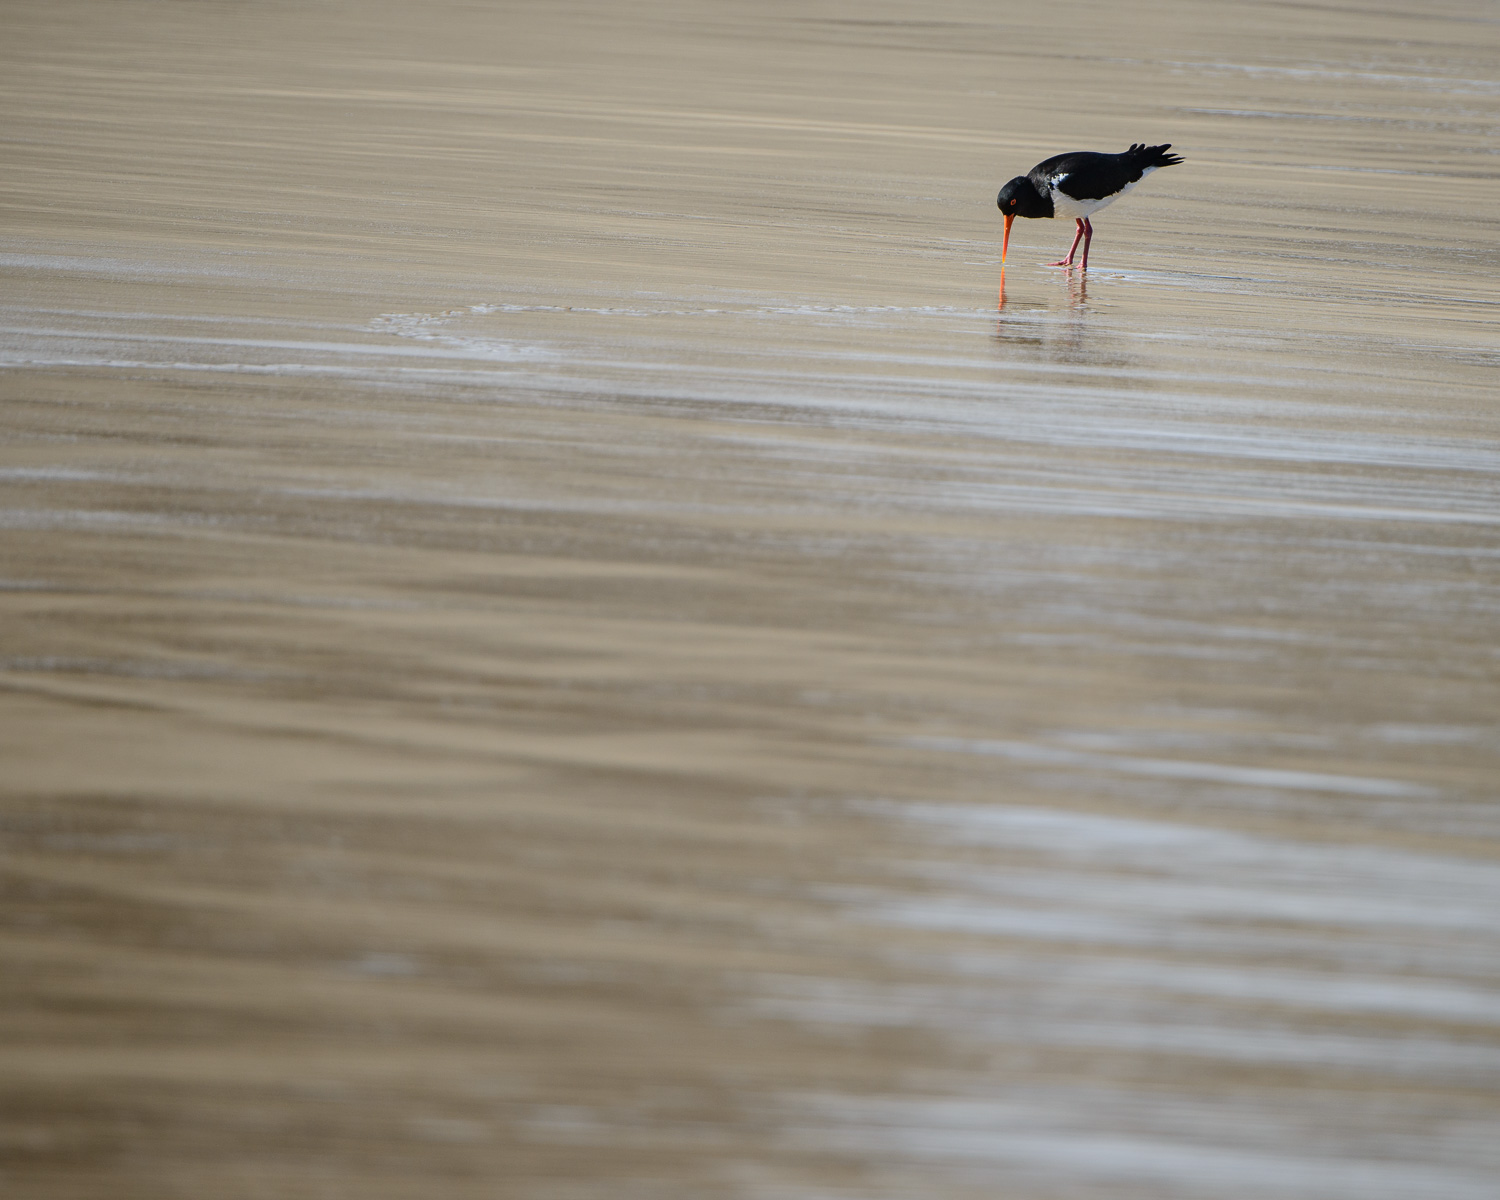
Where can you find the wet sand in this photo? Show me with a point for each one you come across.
(556, 643)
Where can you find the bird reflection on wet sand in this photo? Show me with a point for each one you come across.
(1076, 282)
(1060, 332)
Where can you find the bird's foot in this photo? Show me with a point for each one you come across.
(1062, 262)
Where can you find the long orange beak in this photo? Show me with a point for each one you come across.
(1005, 245)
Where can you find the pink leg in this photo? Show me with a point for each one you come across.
(1088, 236)
(1068, 262)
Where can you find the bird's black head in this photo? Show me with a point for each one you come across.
(1019, 199)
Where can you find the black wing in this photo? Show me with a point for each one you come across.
(1085, 175)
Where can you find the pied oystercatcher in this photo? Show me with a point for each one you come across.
(1078, 185)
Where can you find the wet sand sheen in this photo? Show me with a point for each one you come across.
(556, 643)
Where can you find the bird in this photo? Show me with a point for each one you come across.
(1078, 185)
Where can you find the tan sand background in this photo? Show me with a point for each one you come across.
(555, 644)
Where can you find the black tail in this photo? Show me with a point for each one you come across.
(1154, 156)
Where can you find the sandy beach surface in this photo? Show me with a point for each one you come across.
(564, 635)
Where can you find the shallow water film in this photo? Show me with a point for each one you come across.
(566, 635)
